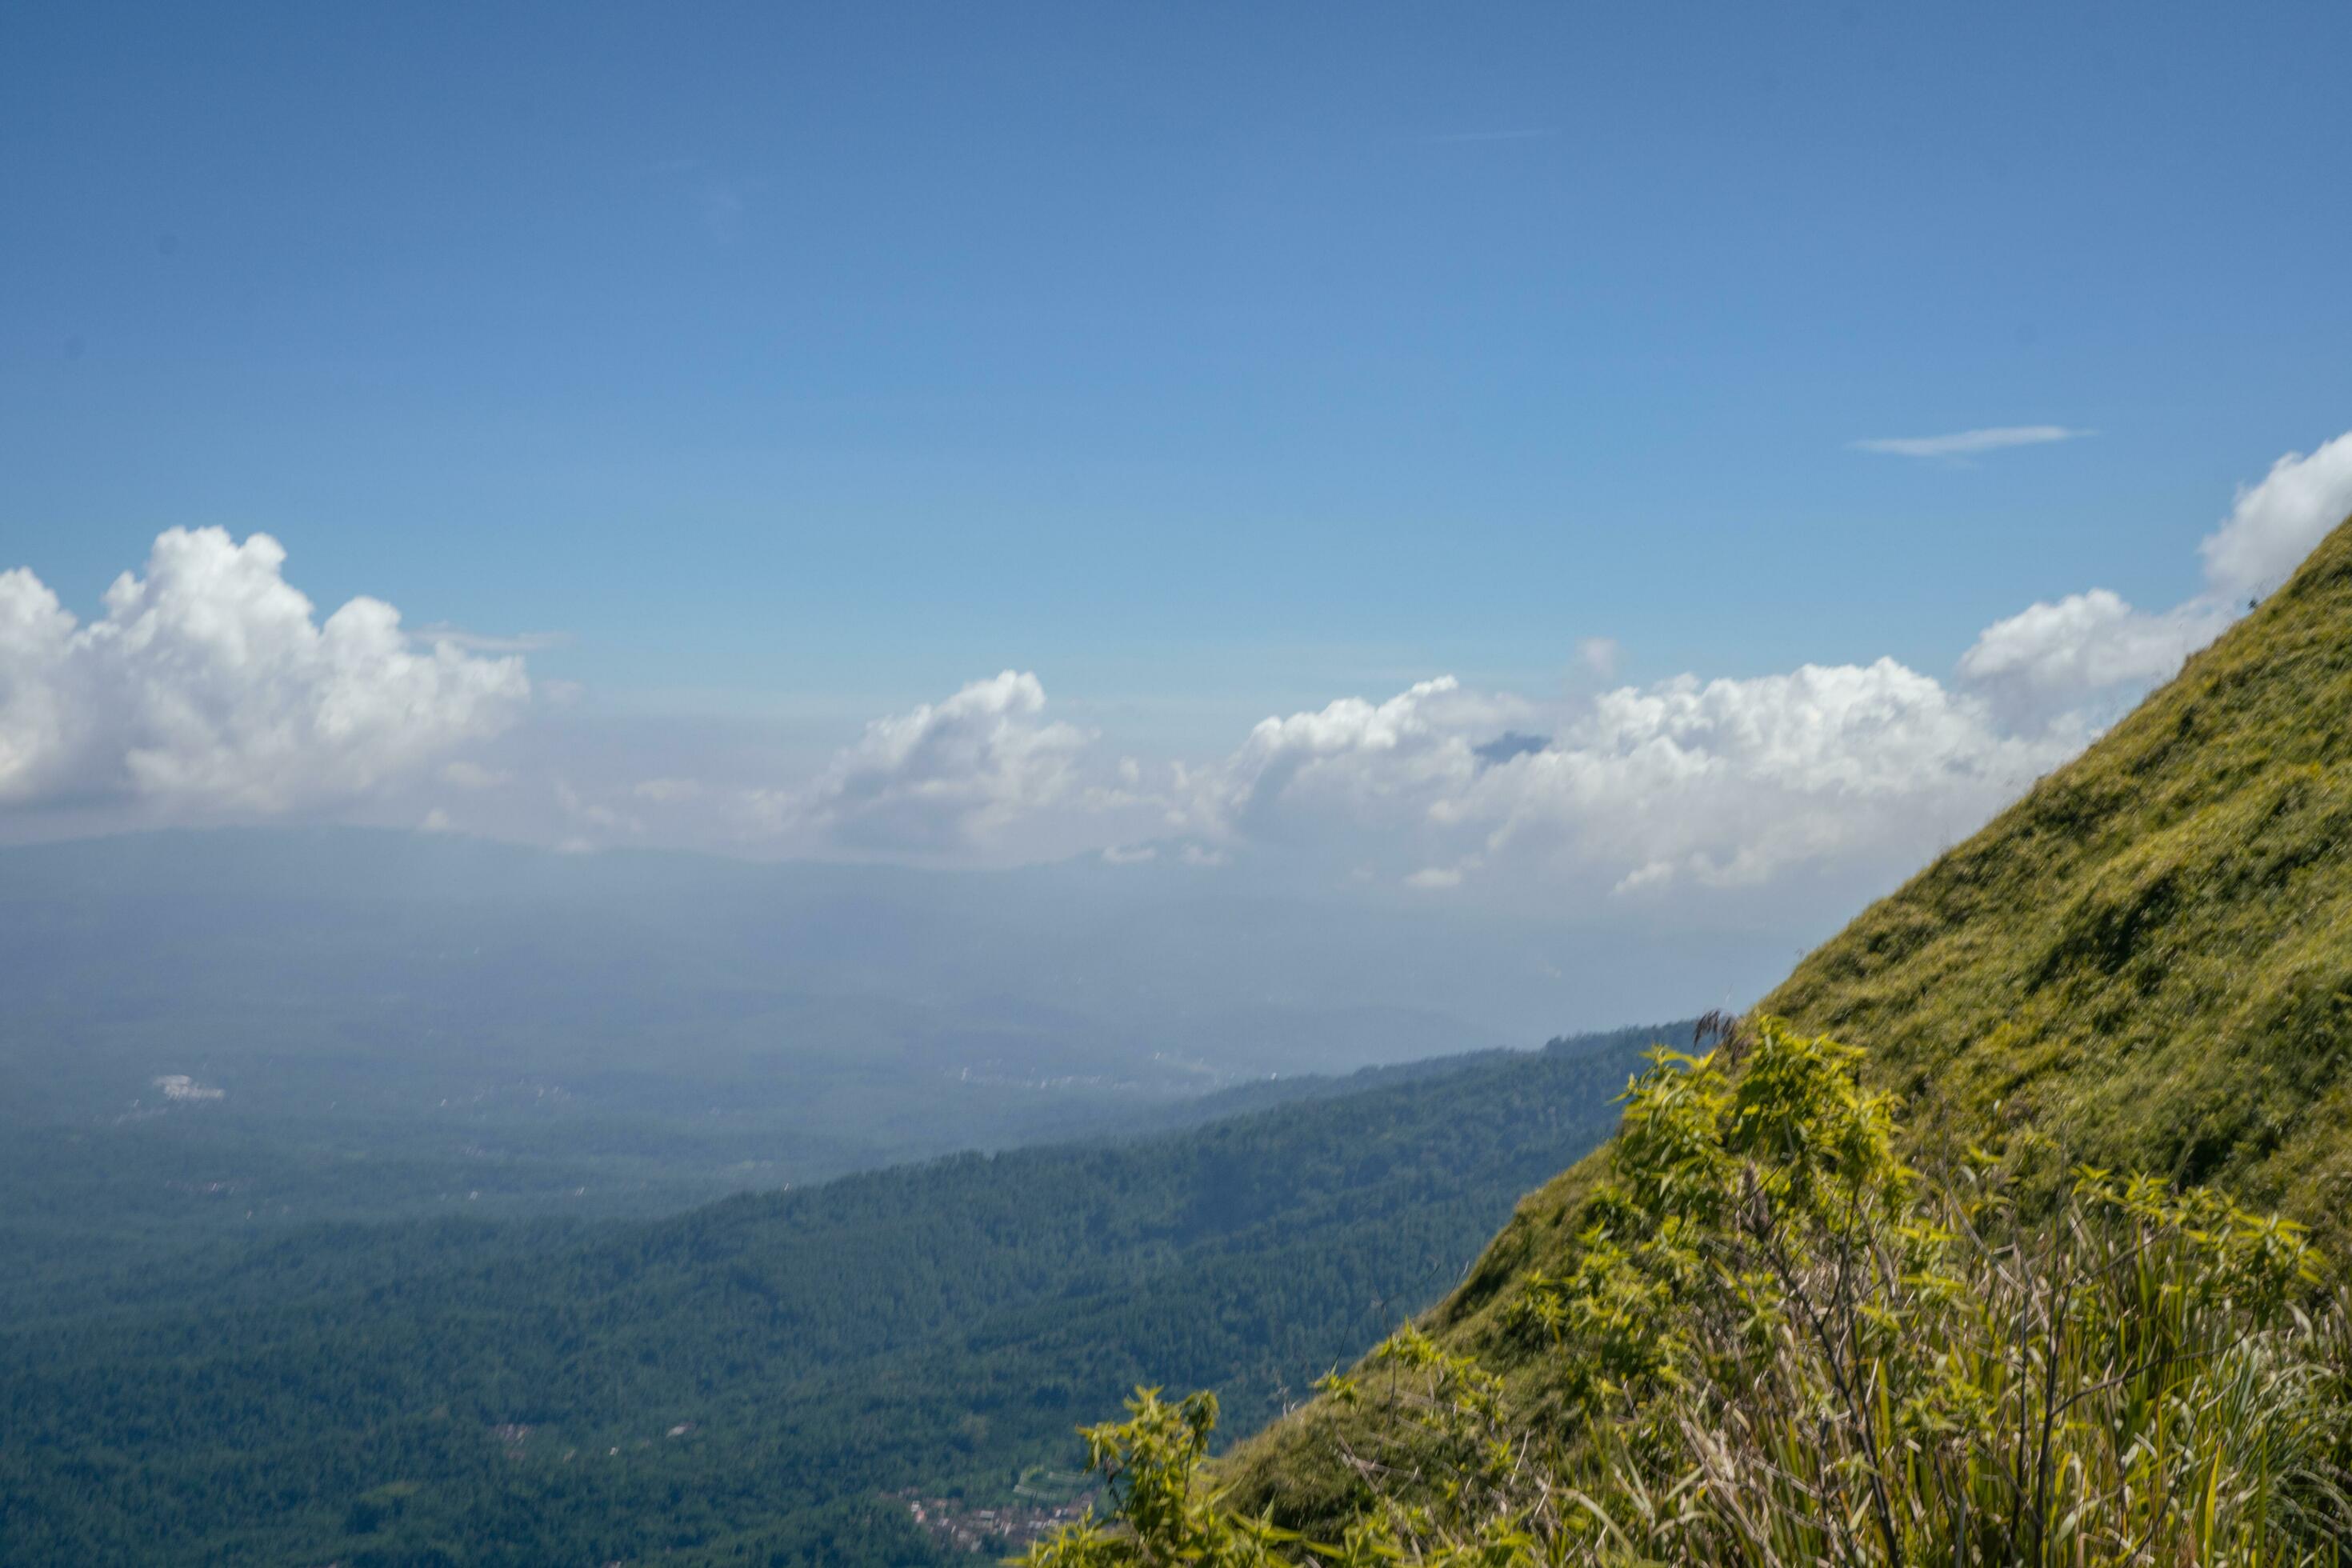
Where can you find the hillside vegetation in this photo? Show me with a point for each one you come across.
(2145, 965)
(1781, 1346)
(740, 1384)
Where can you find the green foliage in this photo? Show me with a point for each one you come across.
(1779, 1346)
(2149, 958)
(1148, 1463)
(340, 1393)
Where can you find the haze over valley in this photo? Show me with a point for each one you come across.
(1114, 785)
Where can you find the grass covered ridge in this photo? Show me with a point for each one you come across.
(2145, 964)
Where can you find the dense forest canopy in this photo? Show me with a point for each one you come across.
(742, 1382)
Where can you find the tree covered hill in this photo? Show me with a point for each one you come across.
(2145, 964)
(742, 1382)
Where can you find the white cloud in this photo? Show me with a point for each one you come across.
(1971, 443)
(435, 821)
(1729, 783)
(1349, 760)
(208, 686)
(940, 780)
(36, 726)
(2049, 657)
(1720, 783)
(2052, 656)
(473, 776)
(480, 642)
(2277, 523)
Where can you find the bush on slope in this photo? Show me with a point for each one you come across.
(1779, 1346)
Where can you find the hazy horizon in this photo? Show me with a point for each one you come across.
(1666, 475)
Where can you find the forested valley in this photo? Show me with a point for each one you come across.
(755, 1381)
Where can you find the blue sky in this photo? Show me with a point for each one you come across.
(800, 365)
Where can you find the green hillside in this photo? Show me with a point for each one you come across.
(2145, 962)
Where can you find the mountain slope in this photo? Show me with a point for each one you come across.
(2146, 960)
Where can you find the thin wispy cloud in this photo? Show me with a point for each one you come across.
(1971, 443)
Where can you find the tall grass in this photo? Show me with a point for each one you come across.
(1778, 1346)
(2113, 1385)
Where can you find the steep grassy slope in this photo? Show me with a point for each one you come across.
(2148, 961)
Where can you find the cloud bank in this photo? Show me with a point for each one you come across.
(208, 687)
(1826, 771)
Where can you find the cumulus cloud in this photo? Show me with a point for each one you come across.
(1728, 782)
(2277, 523)
(208, 687)
(939, 780)
(1721, 783)
(1349, 759)
(2051, 655)
(1971, 443)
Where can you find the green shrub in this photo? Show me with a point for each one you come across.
(1779, 1346)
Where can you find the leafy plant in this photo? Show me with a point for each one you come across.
(1779, 1344)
